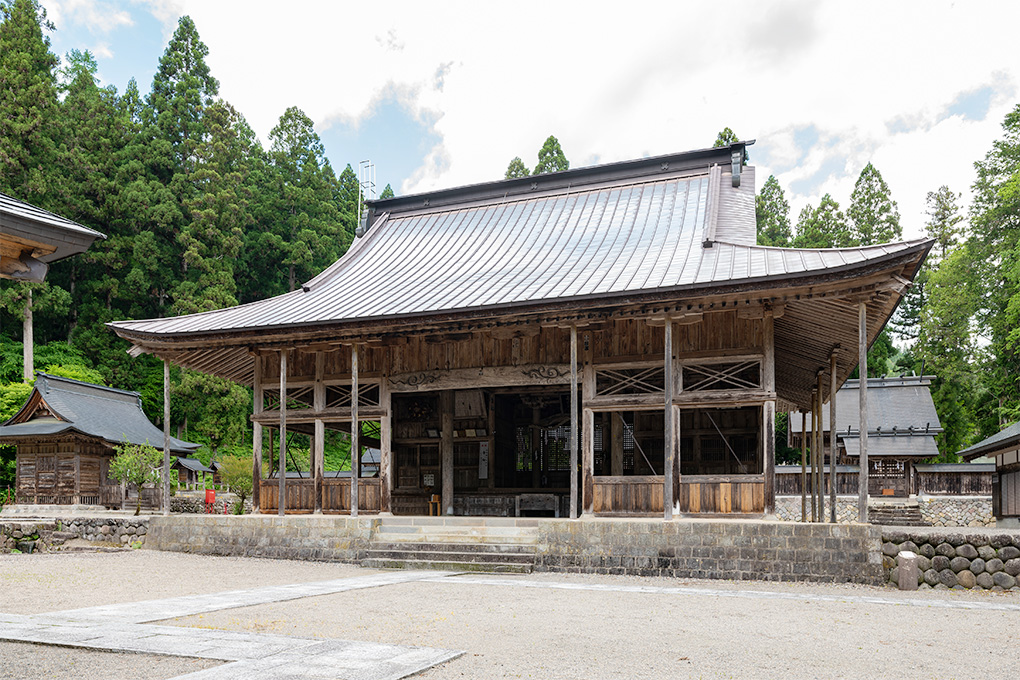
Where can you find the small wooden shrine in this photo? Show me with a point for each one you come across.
(1004, 447)
(607, 340)
(66, 433)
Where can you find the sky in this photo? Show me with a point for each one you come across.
(442, 94)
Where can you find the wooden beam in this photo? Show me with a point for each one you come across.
(670, 434)
(769, 410)
(862, 363)
(256, 439)
(446, 449)
(474, 378)
(355, 432)
(832, 437)
(166, 441)
(319, 437)
(803, 466)
(587, 434)
(282, 498)
(821, 449)
(573, 422)
(386, 448)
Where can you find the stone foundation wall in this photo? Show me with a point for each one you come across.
(957, 511)
(939, 511)
(722, 549)
(956, 560)
(297, 537)
(51, 535)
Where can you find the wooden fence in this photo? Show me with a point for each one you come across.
(336, 495)
(722, 494)
(944, 479)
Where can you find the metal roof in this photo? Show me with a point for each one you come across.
(11, 207)
(192, 464)
(94, 410)
(647, 235)
(899, 402)
(1006, 439)
(916, 446)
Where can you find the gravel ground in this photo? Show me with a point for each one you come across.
(518, 632)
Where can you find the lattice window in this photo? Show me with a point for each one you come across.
(339, 396)
(298, 398)
(737, 375)
(614, 381)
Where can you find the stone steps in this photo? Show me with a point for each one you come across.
(905, 514)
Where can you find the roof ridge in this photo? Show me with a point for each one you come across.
(54, 215)
(58, 378)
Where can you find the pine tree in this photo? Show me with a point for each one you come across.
(517, 168)
(873, 215)
(550, 158)
(28, 103)
(772, 212)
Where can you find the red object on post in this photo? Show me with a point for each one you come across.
(210, 500)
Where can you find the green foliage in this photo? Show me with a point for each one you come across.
(136, 464)
(517, 168)
(12, 397)
(215, 408)
(727, 137)
(772, 212)
(387, 192)
(873, 215)
(550, 158)
(822, 227)
(236, 473)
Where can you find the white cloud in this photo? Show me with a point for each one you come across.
(97, 16)
(616, 81)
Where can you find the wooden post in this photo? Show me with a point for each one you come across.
(319, 434)
(385, 447)
(821, 450)
(166, 438)
(833, 477)
(28, 339)
(769, 411)
(355, 432)
(814, 456)
(803, 466)
(281, 502)
(670, 433)
(573, 421)
(256, 439)
(862, 363)
(587, 436)
(446, 449)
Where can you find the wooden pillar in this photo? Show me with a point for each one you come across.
(446, 449)
(587, 435)
(573, 421)
(385, 446)
(821, 449)
(491, 470)
(166, 440)
(670, 432)
(281, 503)
(814, 455)
(256, 438)
(862, 363)
(319, 434)
(769, 411)
(355, 432)
(803, 466)
(833, 477)
(28, 339)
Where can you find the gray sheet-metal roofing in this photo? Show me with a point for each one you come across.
(21, 219)
(594, 241)
(896, 402)
(110, 414)
(899, 446)
(1006, 439)
(192, 464)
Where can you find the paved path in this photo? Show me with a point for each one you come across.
(255, 656)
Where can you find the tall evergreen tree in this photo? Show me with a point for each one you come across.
(550, 158)
(944, 220)
(387, 192)
(516, 169)
(772, 212)
(822, 227)
(727, 137)
(873, 215)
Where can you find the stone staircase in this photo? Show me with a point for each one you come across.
(901, 513)
(482, 544)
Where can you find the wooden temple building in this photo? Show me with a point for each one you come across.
(65, 435)
(1004, 447)
(31, 239)
(607, 340)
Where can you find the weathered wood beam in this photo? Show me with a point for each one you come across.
(329, 415)
(832, 435)
(862, 362)
(256, 443)
(355, 432)
(573, 422)
(166, 442)
(669, 420)
(446, 449)
(768, 369)
(473, 378)
(319, 438)
(281, 502)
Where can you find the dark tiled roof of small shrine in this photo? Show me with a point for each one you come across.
(1007, 438)
(61, 405)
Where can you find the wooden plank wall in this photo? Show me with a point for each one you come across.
(336, 496)
(629, 495)
(722, 497)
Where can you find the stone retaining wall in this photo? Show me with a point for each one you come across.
(956, 560)
(298, 537)
(51, 534)
(772, 551)
(939, 511)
